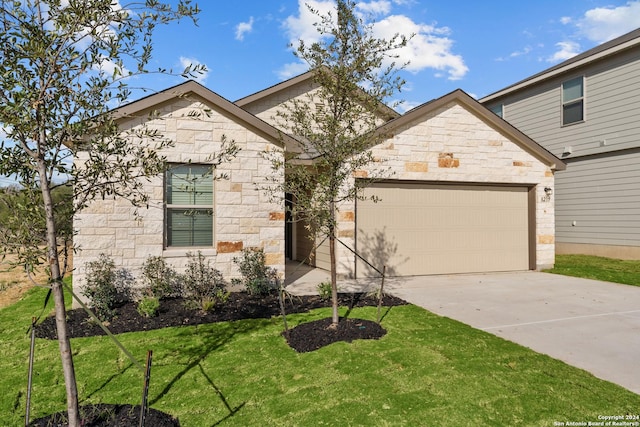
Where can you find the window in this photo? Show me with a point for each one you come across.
(189, 205)
(498, 110)
(573, 101)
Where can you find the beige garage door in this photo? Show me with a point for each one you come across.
(417, 229)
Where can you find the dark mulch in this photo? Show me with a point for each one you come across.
(311, 336)
(104, 415)
(174, 312)
(306, 337)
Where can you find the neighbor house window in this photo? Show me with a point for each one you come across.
(189, 205)
(573, 101)
(498, 110)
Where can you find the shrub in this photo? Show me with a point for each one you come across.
(148, 306)
(202, 284)
(257, 278)
(159, 278)
(124, 284)
(324, 290)
(106, 286)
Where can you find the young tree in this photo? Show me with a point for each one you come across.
(356, 74)
(64, 64)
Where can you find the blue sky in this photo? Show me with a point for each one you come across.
(478, 46)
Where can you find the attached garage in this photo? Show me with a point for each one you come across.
(459, 191)
(432, 228)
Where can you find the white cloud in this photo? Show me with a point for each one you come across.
(108, 67)
(406, 106)
(302, 27)
(515, 54)
(597, 25)
(244, 28)
(430, 47)
(292, 69)
(605, 23)
(566, 50)
(566, 20)
(524, 51)
(381, 7)
(200, 78)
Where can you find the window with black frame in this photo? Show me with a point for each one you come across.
(189, 206)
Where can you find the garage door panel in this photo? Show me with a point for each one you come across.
(440, 229)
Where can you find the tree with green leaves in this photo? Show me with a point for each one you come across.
(355, 74)
(64, 64)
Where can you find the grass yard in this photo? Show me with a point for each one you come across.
(427, 370)
(598, 268)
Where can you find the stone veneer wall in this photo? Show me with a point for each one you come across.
(243, 215)
(453, 145)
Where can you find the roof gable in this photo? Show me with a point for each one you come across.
(474, 107)
(624, 42)
(137, 108)
(386, 112)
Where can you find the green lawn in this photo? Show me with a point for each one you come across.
(427, 371)
(599, 268)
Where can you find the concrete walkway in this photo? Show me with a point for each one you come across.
(589, 324)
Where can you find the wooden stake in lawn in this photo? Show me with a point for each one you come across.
(384, 270)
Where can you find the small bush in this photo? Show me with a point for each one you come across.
(124, 284)
(257, 278)
(202, 284)
(159, 278)
(106, 286)
(324, 290)
(148, 306)
(210, 303)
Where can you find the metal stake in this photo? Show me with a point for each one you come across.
(145, 389)
(29, 381)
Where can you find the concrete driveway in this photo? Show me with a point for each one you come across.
(589, 324)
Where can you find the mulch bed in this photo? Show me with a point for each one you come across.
(174, 312)
(311, 336)
(305, 337)
(104, 415)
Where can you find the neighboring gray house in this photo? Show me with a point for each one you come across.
(470, 193)
(586, 110)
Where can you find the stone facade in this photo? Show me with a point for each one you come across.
(244, 217)
(451, 144)
(451, 140)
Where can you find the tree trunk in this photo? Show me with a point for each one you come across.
(58, 297)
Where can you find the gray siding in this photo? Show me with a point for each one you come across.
(600, 190)
(602, 195)
(612, 109)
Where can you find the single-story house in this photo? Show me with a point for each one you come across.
(469, 192)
